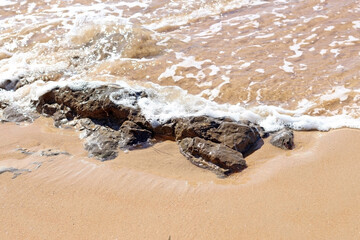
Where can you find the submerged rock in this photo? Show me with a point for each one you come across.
(283, 139)
(16, 171)
(53, 152)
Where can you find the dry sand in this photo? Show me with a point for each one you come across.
(311, 192)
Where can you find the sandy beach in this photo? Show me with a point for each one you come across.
(309, 193)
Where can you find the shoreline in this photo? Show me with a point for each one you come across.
(309, 192)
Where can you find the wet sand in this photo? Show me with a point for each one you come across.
(309, 193)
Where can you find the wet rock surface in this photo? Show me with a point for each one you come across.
(16, 171)
(283, 139)
(216, 157)
(109, 119)
(13, 113)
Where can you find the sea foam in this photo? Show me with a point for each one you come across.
(163, 103)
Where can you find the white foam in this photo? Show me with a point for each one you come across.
(303, 67)
(164, 103)
(265, 36)
(187, 62)
(348, 42)
(340, 93)
(214, 70)
(287, 67)
(296, 48)
(336, 52)
(356, 24)
(329, 28)
(206, 10)
(7, 3)
(246, 64)
(323, 51)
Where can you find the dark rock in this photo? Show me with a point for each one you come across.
(209, 155)
(283, 139)
(235, 135)
(166, 130)
(132, 134)
(94, 103)
(202, 127)
(110, 118)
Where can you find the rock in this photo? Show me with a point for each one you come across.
(110, 119)
(132, 134)
(216, 157)
(97, 104)
(25, 151)
(53, 152)
(16, 171)
(236, 135)
(16, 114)
(165, 131)
(283, 139)
(102, 144)
(202, 127)
(8, 84)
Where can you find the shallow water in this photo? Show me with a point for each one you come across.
(276, 62)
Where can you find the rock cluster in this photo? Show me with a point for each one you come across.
(110, 119)
(218, 144)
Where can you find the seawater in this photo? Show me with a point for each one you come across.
(279, 63)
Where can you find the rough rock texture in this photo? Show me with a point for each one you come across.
(216, 157)
(102, 143)
(283, 139)
(235, 135)
(15, 114)
(28, 78)
(109, 119)
(93, 103)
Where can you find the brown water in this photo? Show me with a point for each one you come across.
(289, 58)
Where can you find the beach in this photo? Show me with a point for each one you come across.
(156, 193)
(134, 119)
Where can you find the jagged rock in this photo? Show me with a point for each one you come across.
(235, 135)
(132, 134)
(15, 114)
(166, 130)
(109, 118)
(103, 143)
(209, 155)
(283, 139)
(94, 103)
